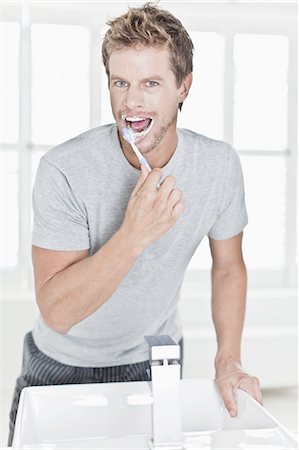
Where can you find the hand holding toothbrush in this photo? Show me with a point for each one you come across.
(151, 212)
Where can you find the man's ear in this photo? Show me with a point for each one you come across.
(185, 87)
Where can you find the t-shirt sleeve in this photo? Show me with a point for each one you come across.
(232, 216)
(59, 219)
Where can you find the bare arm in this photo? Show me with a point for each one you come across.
(70, 285)
(229, 285)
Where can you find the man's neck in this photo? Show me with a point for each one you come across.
(158, 157)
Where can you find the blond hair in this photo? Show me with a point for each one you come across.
(151, 26)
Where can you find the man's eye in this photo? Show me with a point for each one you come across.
(120, 83)
(152, 83)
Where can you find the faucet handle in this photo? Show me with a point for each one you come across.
(163, 347)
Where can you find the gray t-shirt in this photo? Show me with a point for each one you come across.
(80, 197)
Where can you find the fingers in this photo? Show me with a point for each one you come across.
(140, 181)
(145, 176)
(247, 383)
(166, 187)
(144, 171)
(153, 179)
(174, 197)
(177, 210)
(164, 204)
(251, 385)
(226, 392)
(175, 204)
(169, 193)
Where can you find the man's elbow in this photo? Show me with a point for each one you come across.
(52, 318)
(55, 326)
(237, 268)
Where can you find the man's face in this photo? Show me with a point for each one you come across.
(144, 95)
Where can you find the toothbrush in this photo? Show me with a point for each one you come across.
(129, 137)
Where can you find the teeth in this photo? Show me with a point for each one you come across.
(139, 133)
(144, 132)
(134, 118)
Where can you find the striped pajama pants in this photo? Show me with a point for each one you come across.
(39, 369)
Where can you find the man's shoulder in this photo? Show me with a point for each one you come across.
(205, 145)
(77, 147)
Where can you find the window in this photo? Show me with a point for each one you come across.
(10, 77)
(46, 101)
(244, 92)
(10, 133)
(260, 116)
(260, 92)
(205, 103)
(248, 101)
(10, 216)
(60, 82)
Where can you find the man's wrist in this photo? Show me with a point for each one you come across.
(226, 359)
(126, 240)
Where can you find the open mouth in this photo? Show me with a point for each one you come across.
(139, 125)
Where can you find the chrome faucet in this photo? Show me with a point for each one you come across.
(166, 407)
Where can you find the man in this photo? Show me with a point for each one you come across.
(110, 248)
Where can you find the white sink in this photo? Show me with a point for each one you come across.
(118, 415)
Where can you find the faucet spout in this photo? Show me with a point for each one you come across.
(166, 407)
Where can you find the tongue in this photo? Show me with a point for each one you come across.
(140, 125)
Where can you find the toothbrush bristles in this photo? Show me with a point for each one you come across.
(129, 137)
(128, 134)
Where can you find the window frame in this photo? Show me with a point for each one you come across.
(227, 19)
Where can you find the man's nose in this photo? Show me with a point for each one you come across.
(134, 98)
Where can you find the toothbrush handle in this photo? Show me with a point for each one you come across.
(141, 158)
(145, 163)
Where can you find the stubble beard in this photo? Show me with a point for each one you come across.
(159, 136)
